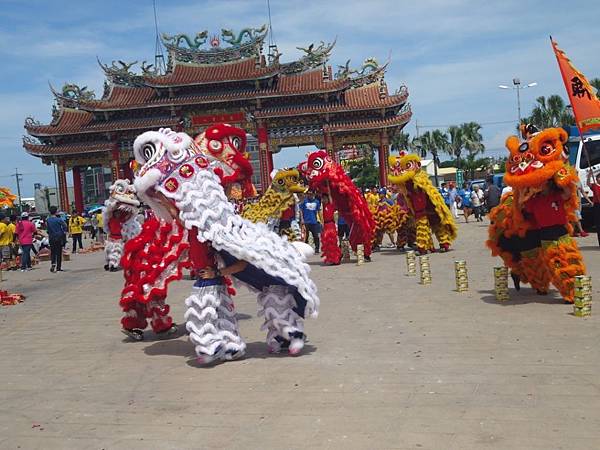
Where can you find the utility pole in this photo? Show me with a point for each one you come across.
(19, 178)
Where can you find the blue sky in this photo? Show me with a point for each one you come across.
(451, 54)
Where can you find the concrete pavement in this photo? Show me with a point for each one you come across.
(390, 364)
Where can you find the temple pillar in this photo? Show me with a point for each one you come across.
(329, 145)
(63, 193)
(383, 154)
(265, 156)
(115, 163)
(78, 189)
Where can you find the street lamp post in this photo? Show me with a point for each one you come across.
(517, 86)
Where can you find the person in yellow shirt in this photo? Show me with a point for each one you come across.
(100, 220)
(76, 229)
(14, 246)
(6, 240)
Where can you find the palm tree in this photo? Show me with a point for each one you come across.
(400, 141)
(550, 112)
(432, 142)
(472, 138)
(595, 82)
(473, 164)
(456, 143)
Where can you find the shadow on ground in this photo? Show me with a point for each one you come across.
(254, 350)
(522, 297)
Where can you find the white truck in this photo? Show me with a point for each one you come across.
(583, 162)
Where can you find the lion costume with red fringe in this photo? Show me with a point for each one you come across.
(538, 169)
(327, 177)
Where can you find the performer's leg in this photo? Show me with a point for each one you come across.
(211, 322)
(424, 239)
(285, 327)
(113, 252)
(531, 270)
(443, 237)
(331, 252)
(564, 261)
(134, 320)
(158, 312)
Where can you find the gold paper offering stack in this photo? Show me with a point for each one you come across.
(360, 254)
(345, 251)
(582, 305)
(461, 275)
(425, 269)
(501, 283)
(411, 263)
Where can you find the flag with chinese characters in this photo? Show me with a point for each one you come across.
(586, 106)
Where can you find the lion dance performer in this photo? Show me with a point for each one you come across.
(278, 202)
(531, 227)
(182, 182)
(328, 177)
(120, 221)
(389, 217)
(427, 206)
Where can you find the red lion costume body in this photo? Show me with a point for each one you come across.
(327, 177)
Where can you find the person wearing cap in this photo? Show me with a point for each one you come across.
(25, 231)
(6, 239)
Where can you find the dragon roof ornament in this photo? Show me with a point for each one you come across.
(247, 43)
(70, 95)
(119, 72)
(369, 72)
(313, 57)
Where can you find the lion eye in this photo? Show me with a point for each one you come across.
(215, 146)
(317, 163)
(236, 142)
(546, 149)
(524, 147)
(280, 181)
(148, 151)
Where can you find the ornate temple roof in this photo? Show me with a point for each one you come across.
(210, 73)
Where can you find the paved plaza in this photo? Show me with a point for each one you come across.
(390, 364)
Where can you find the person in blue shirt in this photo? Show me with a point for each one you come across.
(57, 234)
(310, 208)
(464, 195)
(445, 194)
(343, 229)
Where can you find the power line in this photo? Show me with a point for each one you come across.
(480, 123)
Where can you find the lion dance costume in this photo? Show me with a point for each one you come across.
(390, 216)
(278, 202)
(182, 181)
(327, 177)
(430, 213)
(120, 221)
(531, 227)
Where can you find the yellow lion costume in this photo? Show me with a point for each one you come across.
(531, 227)
(426, 203)
(277, 199)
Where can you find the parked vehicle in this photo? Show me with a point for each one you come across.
(583, 161)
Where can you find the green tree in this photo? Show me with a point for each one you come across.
(473, 164)
(550, 112)
(456, 143)
(473, 140)
(431, 142)
(400, 141)
(364, 172)
(595, 82)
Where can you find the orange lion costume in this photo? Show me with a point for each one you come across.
(531, 227)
